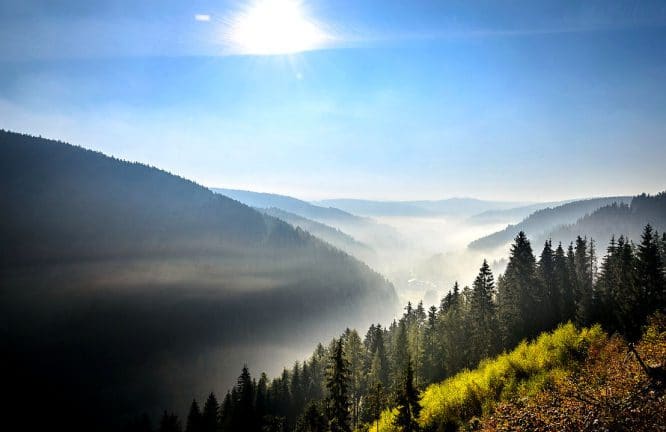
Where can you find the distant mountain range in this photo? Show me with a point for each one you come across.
(117, 276)
(450, 206)
(544, 221)
(331, 235)
(620, 218)
(363, 229)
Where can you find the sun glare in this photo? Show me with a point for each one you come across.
(271, 27)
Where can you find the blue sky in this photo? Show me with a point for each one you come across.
(500, 100)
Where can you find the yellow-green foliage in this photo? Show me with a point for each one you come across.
(522, 372)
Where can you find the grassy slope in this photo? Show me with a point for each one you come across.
(566, 380)
(522, 372)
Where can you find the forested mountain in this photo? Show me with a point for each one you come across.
(122, 285)
(450, 206)
(416, 372)
(289, 204)
(364, 229)
(512, 214)
(627, 218)
(331, 235)
(545, 220)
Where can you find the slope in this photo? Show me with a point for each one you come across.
(544, 221)
(117, 276)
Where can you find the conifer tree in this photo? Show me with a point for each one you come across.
(209, 416)
(194, 418)
(650, 273)
(483, 320)
(516, 302)
(549, 297)
(407, 403)
(337, 384)
(170, 423)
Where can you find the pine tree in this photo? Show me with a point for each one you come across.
(209, 416)
(483, 320)
(650, 273)
(312, 419)
(337, 384)
(549, 297)
(194, 418)
(407, 403)
(170, 423)
(515, 298)
(584, 287)
(355, 356)
(400, 353)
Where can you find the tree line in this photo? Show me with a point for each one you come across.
(346, 385)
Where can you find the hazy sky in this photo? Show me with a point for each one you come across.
(520, 100)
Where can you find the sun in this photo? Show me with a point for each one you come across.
(273, 27)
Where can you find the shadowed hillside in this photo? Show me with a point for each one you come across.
(117, 277)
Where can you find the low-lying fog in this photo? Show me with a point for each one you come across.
(433, 254)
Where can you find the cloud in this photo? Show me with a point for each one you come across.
(202, 17)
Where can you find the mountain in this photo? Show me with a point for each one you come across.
(118, 277)
(451, 206)
(615, 220)
(544, 221)
(364, 229)
(327, 233)
(511, 215)
(289, 204)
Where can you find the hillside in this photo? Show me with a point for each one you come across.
(511, 215)
(422, 208)
(566, 380)
(544, 221)
(331, 235)
(363, 229)
(116, 276)
(626, 219)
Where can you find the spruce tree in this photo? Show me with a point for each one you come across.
(483, 319)
(209, 418)
(407, 403)
(337, 384)
(650, 273)
(194, 418)
(516, 298)
(549, 296)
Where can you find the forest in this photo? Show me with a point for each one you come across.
(419, 372)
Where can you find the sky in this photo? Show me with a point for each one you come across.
(506, 100)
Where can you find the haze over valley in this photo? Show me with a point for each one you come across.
(333, 216)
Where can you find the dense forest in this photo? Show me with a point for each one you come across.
(358, 382)
(116, 275)
(542, 221)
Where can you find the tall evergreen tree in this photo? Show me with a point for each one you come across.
(516, 299)
(482, 318)
(584, 286)
(407, 403)
(550, 297)
(650, 273)
(210, 414)
(170, 423)
(337, 384)
(194, 418)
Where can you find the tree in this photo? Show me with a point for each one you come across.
(170, 423)
(194, 418)
(516, 302)
(482, 316)
(549, 294)
(584, 283)
(210, 414)
(407, 403)
(563, 285)
(355, 356)
(650, 273)
(400, 353)
(337, 384)
(312, 419)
